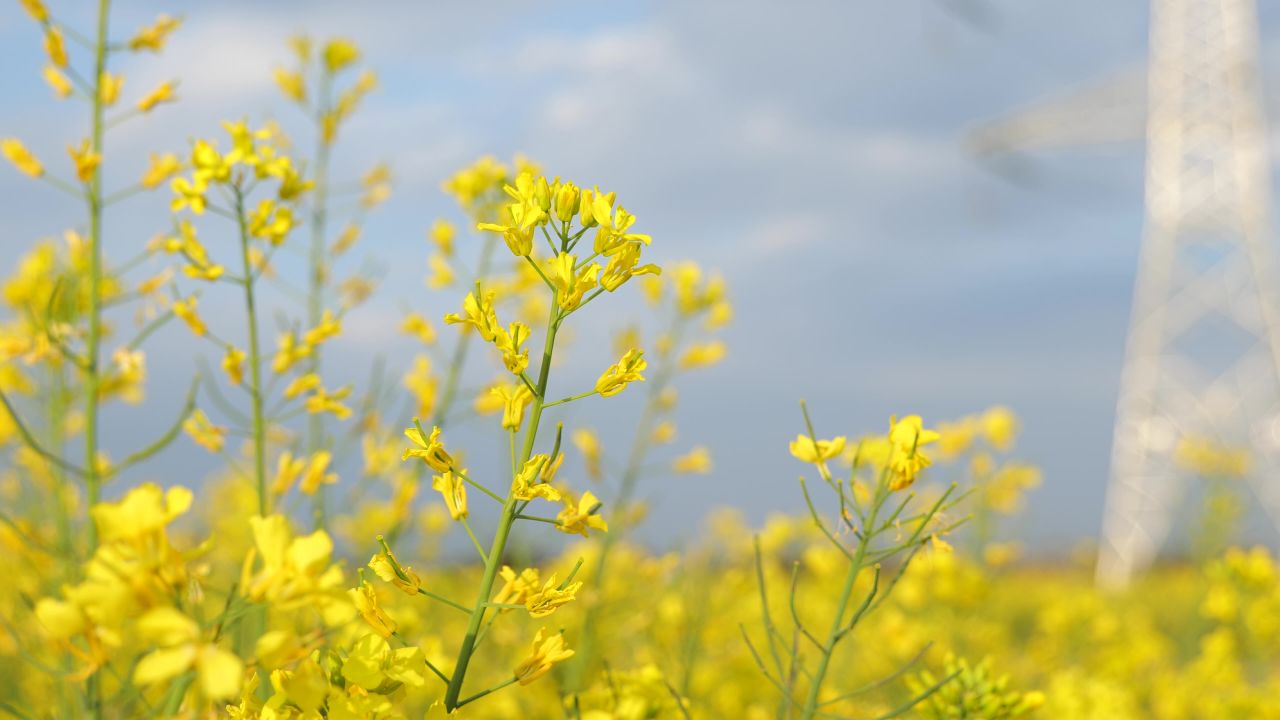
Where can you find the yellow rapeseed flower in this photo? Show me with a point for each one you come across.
(21, 158)
(58, 81)
(159, 169)
(204, 432)
(54, 46)
(547, 651)
(805, 449)
(185, 310)
(697, 460)
(453, 489)
(164, 92)
(580, 516)
(109, 87)
(429, 449)
(154, 36)
(620, 374)
(338, 54)
(365, 599)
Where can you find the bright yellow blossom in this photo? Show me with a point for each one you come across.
(385, 566)
(161, 168)
(546, 653)
(233, 364)
(317, 473)
(702, 355)
(906, 460)
(109, 87)
(429, 449)
(620, 374)
(154, 36)
(204, 432)
(453, 489)
(56, 80)
(417, 326)
(442, 233)
(697, 460)
(571, 285)
(291, 83)
(543, 601)
(365, 598)
(805, 449)
(21, 158)
(514, 399)
(85, 159)
(288, 468)
(164, 92)
(186, 311)
(54, 46)
(322, 401)
(338, 54)
(580, 516)
(533, 482)
(218, 671)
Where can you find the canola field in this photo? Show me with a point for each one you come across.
(345, 563)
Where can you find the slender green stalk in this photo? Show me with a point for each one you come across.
(317, 275)
(836, 632)
(506, 520)
(93, 378)
(255, 363)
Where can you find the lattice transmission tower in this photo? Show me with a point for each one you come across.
(1202, 358)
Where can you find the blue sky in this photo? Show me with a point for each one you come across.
(814, 153)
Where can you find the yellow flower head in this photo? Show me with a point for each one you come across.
(627, 370)
(429, 449)
(109, 87)
(21, 158)
(571, 282)
(453, 489)
(417, 326)
(533, 480)
(154, 36)
(338, 54)
(702, 355)
(805, 449)
(161, 168)
(514, 399)
(54, 46)
(580, 516)
(546, 653)
(365, 598)
(385, 566)
(233, 364)
(906, 438)
(697, 460)
(204, 432)
(291, 83)
(317, 474)
(442, 233)
(56, 80)
(164, 92)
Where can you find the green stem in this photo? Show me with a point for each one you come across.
(506, 520)
(317, 274)
(255, 363)
(837, 622)
(93, 379)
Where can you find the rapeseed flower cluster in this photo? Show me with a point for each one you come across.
(315, 575)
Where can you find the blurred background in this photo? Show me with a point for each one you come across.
(817, 154)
